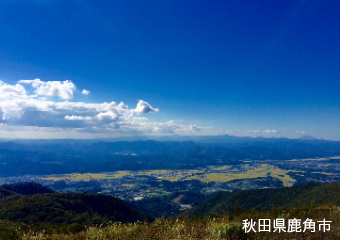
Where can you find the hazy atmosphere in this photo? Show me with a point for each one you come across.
(168, 119)
(98, 69)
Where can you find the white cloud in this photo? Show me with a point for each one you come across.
(139, 118)
(252, 131)
(21, 108)
(86, 92)
(195, 128)
(108, 116)
(271, 131)
(8, 91)
(301, 132)
(143, 107)
(265, 131)
(67, 117)
(166, 127)
(63, 89)
(224, 131)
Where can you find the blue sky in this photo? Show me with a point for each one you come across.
(199, 67)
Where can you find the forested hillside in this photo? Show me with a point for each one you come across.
(5, 193)
(57, 210)
(27, 188)
(168, 205)
(262, 199)
(66, 216)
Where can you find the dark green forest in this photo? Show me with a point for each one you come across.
(96, 216)
(62, 211)
(168, 205)
(311, 194)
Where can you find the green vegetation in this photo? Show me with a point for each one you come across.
(298, 196)
(87, 176)
(251, 172)
(225, 173)
(216, 227)
(27, 188)
(5, 193)
(22, 189)
(55, 216)
(167, 205)
(61, 212)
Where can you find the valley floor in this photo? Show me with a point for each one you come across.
(136, 185)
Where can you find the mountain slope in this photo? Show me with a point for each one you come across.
(168, 205)
(303, 195)
(5, 193)
(27, 188)
(59, 208)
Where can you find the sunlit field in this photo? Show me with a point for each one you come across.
(224, 173)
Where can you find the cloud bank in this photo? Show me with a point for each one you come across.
(265, 131)
(39, 104)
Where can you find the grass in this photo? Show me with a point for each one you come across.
(254, 172)
(224, 226)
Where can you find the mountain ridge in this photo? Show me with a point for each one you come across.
(263, 199)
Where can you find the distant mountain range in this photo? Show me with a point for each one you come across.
(50, 157)
(216, 139)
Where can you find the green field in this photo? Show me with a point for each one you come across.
(224, 173)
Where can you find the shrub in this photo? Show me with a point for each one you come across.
(230, 231)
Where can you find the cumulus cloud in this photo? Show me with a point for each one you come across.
(63, 89)
(21, 108)
(143, 107)
(195, 128)
(7, 91)
(108, 116)
(86, 92)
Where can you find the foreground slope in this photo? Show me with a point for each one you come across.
(219, 227)
(59, 208)
(299, 196)
(63, 215)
